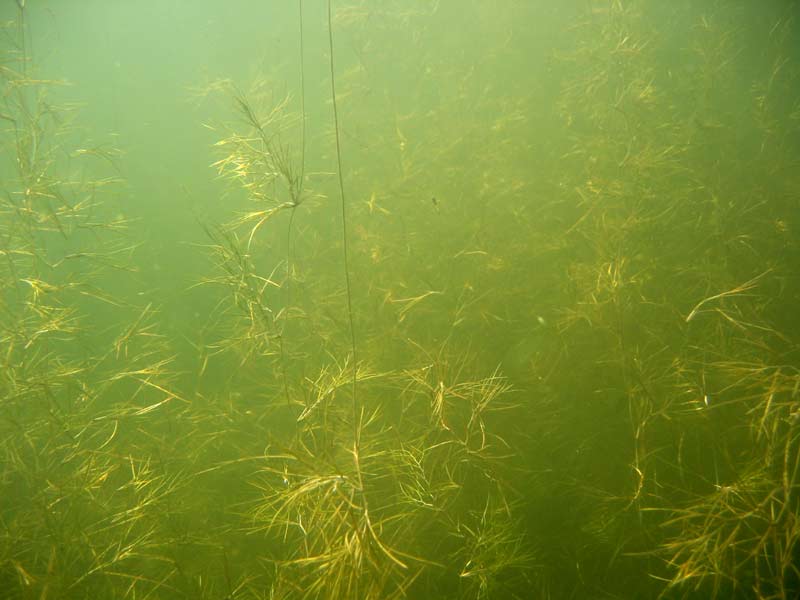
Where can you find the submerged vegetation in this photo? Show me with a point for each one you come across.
(477, 329)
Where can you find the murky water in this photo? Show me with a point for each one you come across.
(399, 300)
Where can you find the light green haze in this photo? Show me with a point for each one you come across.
(399, 299)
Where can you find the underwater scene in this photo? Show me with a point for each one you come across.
(399, 299)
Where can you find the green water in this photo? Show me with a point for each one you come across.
(539, 340)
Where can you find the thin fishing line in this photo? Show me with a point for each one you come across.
(22, 40)
(296, 194)
(356, 416)
(302, 109)
(344, 226)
